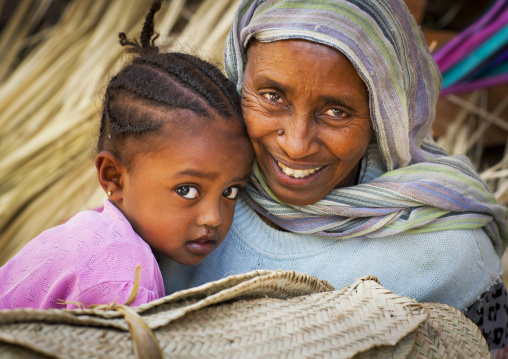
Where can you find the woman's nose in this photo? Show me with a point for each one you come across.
(210, 215)
(298, 138)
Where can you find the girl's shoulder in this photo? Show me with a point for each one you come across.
(90, 229)
(100, 236)
(91, 250)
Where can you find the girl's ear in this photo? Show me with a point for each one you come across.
(110, 172)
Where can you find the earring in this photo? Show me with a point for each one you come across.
(110, 193)
(280, 132)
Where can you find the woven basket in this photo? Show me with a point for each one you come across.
(261, 314)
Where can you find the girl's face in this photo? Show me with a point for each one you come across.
(307, 113)
(181, 198)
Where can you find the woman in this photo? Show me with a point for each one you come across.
(338, 98)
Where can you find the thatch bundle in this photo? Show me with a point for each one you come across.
(51, 82)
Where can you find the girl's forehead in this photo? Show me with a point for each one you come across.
(189, 121)
(180, 131)
(209, 145)
(190, 129)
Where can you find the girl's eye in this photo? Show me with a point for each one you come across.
(271, 96)
(336, 112)
(231, 192)
(187, 192)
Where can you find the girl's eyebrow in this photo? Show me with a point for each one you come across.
(209, 175)
(196, 173)
(244, 178)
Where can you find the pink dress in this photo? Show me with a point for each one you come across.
(90, 259)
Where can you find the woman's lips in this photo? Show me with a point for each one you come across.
(203, 245)
(297, 173)
(296, 177)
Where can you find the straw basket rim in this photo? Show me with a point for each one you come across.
(272, 313)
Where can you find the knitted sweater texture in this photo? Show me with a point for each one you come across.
(90, 259)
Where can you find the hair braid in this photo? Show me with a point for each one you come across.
(227, 87)
(160, 99)
(148, 29)
(189, 76)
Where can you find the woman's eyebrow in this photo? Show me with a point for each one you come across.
(269, 82)
(344, 100)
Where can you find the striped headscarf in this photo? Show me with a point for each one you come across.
(419, 188)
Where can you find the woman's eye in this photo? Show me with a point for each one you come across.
(231, 192)
(187, 192)
(271, 96)
(336, 112)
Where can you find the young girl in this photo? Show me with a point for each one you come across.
(173, 154)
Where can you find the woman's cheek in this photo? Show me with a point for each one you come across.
(257, 118)
(349, 142)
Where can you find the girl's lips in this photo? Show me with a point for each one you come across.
(203, 245)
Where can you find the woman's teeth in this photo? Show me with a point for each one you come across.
(297, 173)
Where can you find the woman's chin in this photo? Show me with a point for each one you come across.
(295, 199)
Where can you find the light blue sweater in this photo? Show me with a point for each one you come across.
(452, 267)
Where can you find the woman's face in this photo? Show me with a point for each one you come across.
(307, 114)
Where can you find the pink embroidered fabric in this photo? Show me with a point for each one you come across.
(90, 259)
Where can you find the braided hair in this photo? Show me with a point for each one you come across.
(155, 83)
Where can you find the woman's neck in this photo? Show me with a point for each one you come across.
(352, 178)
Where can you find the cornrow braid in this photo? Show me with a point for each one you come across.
(156, 82)
(226, 86)
(185, 69)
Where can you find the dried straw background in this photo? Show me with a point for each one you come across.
(51, 82)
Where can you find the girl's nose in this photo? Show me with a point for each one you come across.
(210, 215)
(298, 138)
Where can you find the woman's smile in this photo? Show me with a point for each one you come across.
(297, 173)
(292, 174)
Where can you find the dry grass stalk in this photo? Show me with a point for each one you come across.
(215, 43)
(466, 136)
(447, 142)
(479, 134)
(471, 107)
(168, 16)
(207, 30)
(24, 20)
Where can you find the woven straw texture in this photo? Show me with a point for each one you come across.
(261, 314)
